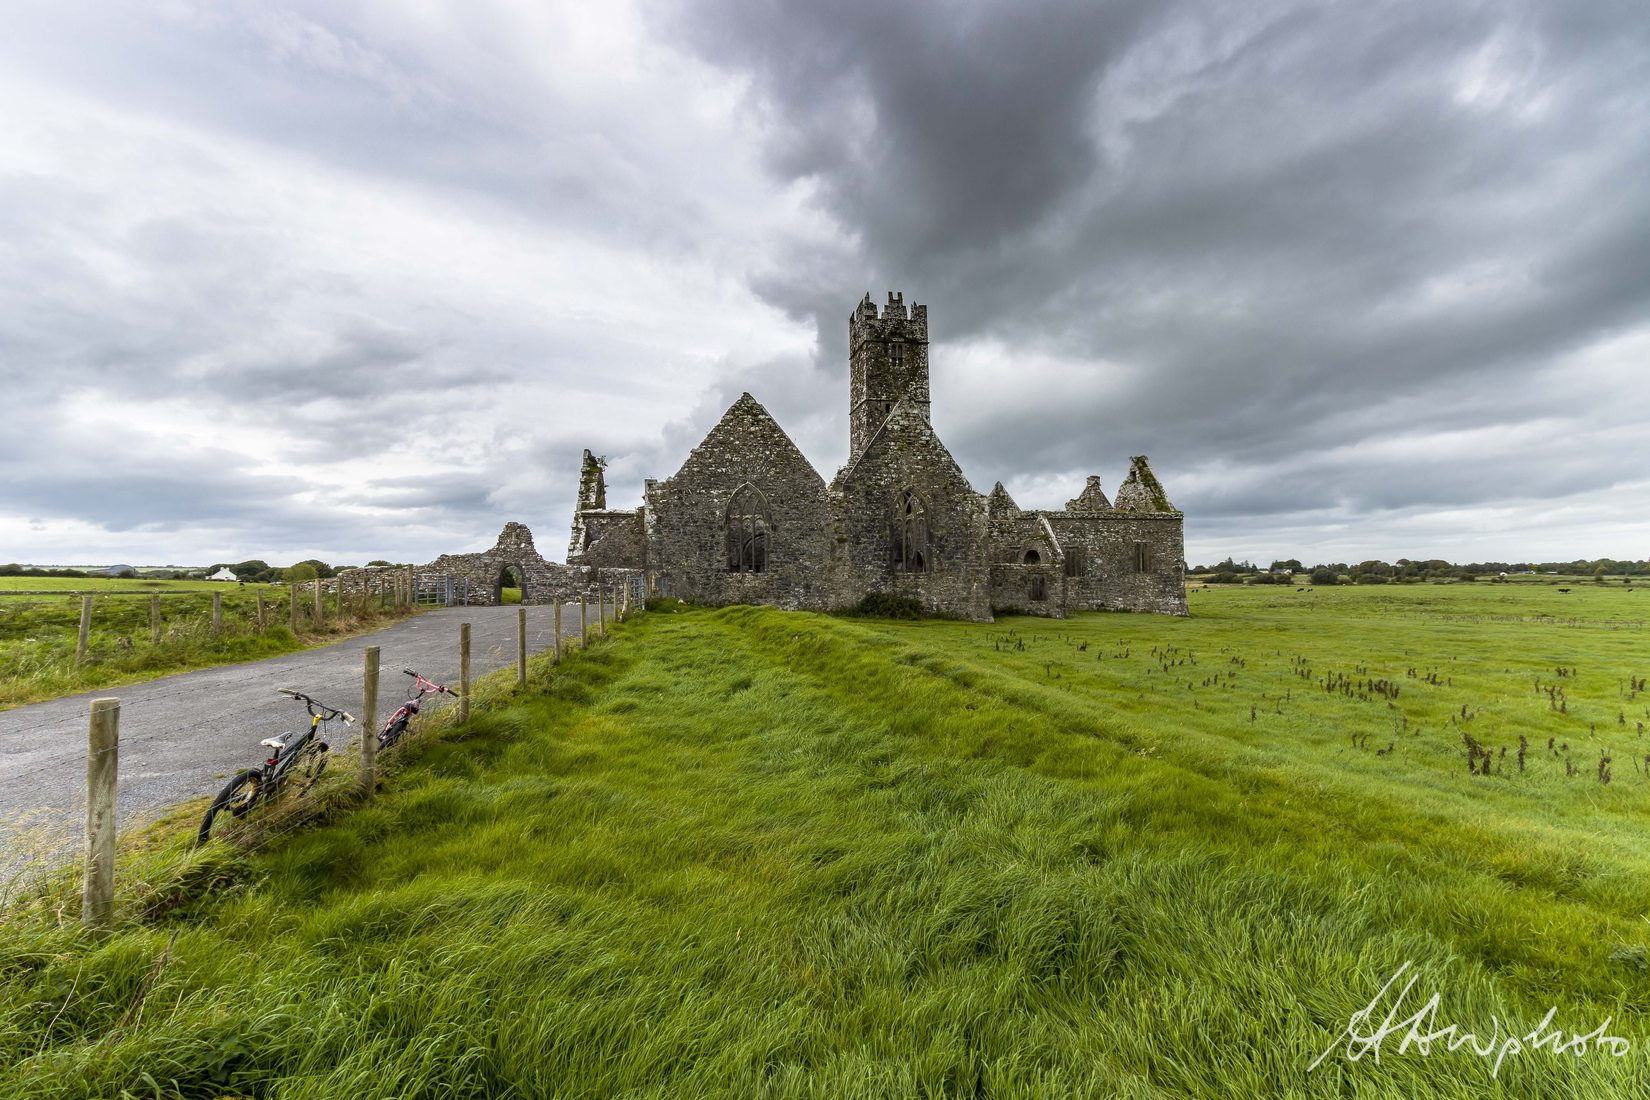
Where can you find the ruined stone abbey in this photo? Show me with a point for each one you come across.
(747, 520)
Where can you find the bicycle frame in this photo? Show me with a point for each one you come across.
(255, 785)
(397, 724)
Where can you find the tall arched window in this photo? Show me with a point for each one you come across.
(748, 531)
(910, 534)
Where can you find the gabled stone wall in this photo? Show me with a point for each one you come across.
(866, 498)
(687, 517)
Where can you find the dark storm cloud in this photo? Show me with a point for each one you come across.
(1296, 227)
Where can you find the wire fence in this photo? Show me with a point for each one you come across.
(44, 754)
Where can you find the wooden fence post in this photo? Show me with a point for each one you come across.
(97, 903)
(584, 619)
(369, 720)
(292, 606)
(463, 672)
(521, 647)
(601, 609)
(217, 615)
(85, 630)
(154, 620)
(558, 632)
(259, 597)
(320, 613)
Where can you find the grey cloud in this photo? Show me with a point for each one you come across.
(1298, 226)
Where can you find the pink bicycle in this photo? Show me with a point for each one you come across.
(397, 725)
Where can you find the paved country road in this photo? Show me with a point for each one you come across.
(180, 736)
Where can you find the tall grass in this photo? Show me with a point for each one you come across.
(39, 637)
(748, 853)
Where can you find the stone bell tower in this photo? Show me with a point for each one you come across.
(887, 362)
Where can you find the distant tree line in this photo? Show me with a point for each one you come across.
(1406, 571)
(250, 572)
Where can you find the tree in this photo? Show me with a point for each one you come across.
(298, 574)
(322, 569)
(1325, 575)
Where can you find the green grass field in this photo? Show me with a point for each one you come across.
(747, 853)
(39, 629)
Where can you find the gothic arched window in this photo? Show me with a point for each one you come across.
(748, 531)
(910, 534)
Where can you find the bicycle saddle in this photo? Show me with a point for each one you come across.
(273, 742)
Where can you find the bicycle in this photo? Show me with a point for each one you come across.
(302, 759)
(397, 725)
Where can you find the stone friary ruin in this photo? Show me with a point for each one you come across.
(748, 520)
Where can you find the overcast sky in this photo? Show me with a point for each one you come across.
(354, 281)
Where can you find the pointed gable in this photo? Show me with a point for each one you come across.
(1091, 499)
(906, 439)
(1000, 503)
(1141, 491)
(748, 443)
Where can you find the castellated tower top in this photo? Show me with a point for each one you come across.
(887, 363)
(894, 320)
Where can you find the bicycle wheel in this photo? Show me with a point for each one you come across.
(392, 733)
(242, 793)
(309, 767)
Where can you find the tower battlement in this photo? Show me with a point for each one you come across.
(893, 322)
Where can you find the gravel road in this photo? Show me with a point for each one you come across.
(180, 736)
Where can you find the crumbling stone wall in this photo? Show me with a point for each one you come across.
(1110, 580)
(1131, 555)
(541, 581)
(613, 540)
(687, 517)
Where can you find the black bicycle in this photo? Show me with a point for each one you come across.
(397, 725)
(292, 761)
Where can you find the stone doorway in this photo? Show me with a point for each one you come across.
(510, 587)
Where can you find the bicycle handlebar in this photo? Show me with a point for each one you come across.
(315, 706)
(421, 681)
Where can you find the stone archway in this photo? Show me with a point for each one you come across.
(510, 576)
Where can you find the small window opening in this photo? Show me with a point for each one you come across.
(1074, 561)
(748, 531)
(1142, 557)
(910, 534)
(1032, 557)
(1038, 589)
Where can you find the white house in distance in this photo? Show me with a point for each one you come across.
(223, 575)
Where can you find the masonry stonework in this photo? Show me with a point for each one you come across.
(748, 520)
(542, 581)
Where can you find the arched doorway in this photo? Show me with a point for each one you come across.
(509, 587)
